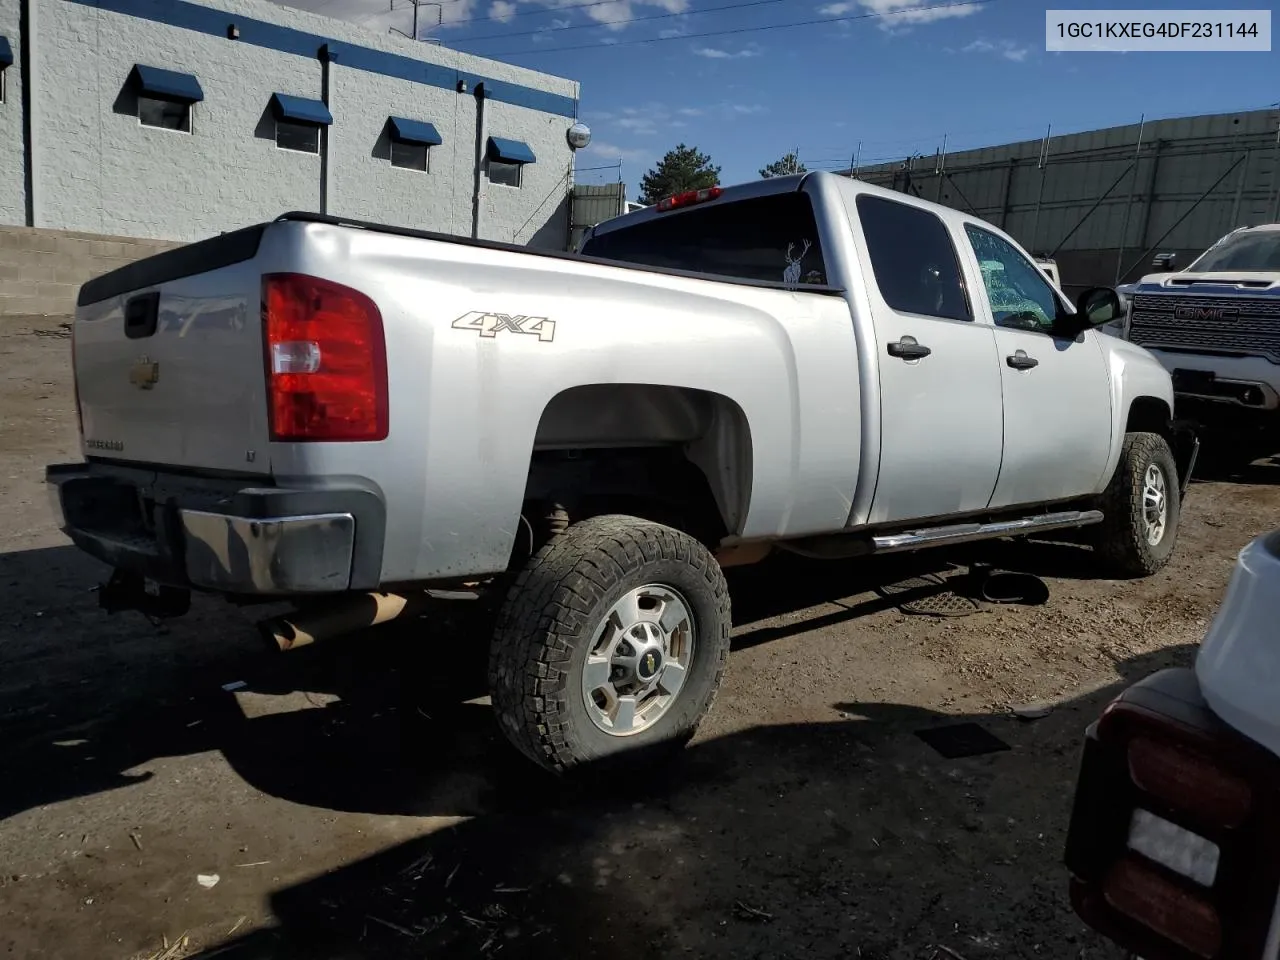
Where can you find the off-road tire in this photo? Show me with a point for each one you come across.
(548, 623)
(1121, 539)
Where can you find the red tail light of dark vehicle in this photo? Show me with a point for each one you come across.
(326, 361)
(1174, 843)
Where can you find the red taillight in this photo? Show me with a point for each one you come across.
(1146, 895)
(1172, 848)
(689, 198)
(326, 360)
(1185, 779)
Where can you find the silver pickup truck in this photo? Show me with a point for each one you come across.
(337, 412)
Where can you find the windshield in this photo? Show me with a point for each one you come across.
(1244, 251)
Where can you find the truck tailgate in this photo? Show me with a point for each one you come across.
(169, 359)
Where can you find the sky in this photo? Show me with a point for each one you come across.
(747, 81)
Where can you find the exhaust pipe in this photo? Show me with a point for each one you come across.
(324, 621)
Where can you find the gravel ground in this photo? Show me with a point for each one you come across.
(354, 800)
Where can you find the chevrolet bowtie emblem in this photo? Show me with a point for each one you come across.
(145, 373)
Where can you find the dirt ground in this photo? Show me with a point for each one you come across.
(355, 801)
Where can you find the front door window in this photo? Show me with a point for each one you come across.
(1021, 298)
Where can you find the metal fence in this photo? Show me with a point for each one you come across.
(1103, 202)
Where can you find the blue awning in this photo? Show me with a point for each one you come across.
(510, 151)
(167, 84)
(415, 131)
(6, 53)
(300, 110)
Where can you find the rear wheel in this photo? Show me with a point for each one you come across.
(1141, 507)
(613, 639)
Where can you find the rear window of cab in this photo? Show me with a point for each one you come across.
(773, 239)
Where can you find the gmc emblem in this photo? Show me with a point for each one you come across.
(1206, 313)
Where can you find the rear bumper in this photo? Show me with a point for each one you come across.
(222, 535)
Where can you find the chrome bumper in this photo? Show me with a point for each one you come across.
(278, 555)
(221, 536)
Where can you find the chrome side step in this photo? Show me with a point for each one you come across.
(966, 532)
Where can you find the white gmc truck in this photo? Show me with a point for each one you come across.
(1216, 327)
(344, 414)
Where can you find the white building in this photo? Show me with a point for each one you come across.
(173, 120)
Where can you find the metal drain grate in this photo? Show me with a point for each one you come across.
(929, 595)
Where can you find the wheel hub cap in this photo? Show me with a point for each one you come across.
(638, 660)
(1155, 504)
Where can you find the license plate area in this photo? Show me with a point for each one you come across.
(1194, 381)
(1175, 848)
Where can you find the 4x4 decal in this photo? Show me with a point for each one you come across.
(491, 324)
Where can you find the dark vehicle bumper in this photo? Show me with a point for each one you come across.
(1158, 754)
(232, 536)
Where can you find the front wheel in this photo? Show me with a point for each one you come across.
(1141, 508)
(614, 638)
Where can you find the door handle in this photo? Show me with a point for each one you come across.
(908, 349)
(1020, 361)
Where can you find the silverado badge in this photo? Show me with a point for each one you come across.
(145, 373)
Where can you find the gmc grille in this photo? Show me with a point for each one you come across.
(1250, 327)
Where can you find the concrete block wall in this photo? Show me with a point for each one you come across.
(41, 270)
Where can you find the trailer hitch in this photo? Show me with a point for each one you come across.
(131, 591)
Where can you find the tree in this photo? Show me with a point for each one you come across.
(684, 168)
(785, 167)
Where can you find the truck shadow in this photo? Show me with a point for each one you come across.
(841, 839)
(1264, 471)
(87, 697)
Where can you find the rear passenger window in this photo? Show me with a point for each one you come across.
(913, 259)
(772, 238)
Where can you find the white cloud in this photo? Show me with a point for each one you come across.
(502, 10)
(600, 150)
(544, 32)
(1002, 48)
(716, 53)
(615, 14)
(897, 14)
(641, 126)
(838, 9)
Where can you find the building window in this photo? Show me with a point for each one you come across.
(165, 97)
(409, 156)
(6, 61)
(411, 143)
(303, 137)
(166, 114)
(298, 122)
(505, 160)
(507, 174)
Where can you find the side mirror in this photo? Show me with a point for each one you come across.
(1098, 306)
(1164, 261)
